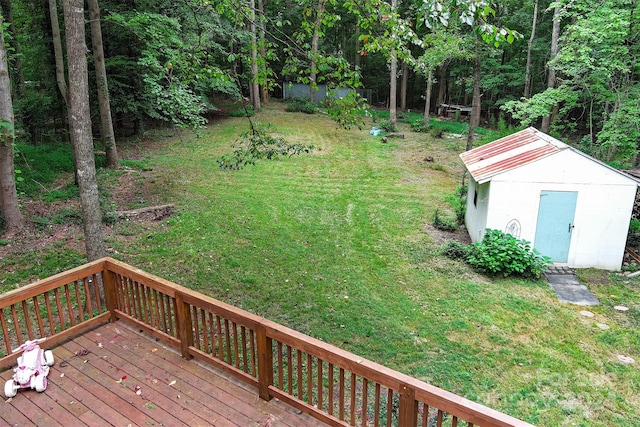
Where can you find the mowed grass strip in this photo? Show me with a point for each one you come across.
(336, 244)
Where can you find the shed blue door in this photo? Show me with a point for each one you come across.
(555, 223)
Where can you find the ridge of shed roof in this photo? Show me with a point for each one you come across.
(516, 150)
(509, 152)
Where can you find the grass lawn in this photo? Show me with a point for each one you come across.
(337, 244)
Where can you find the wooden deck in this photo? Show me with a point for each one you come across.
(94, 379)
(230, 367)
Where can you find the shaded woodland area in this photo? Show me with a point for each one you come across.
(566, 67)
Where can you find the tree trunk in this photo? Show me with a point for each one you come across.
(357, 60)
(403, 86)
(263, 49)
(255, 87)
(393, 88)
(80, 128)
(551, 79)
(57, 50)
(18, 75)
(393, 83)
(106, 122)
(427, 101)
(313, 74)
(527, 77)
(9, 207)
(442, 86)
(476, 106)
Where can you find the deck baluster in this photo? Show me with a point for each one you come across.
(27, 321)
(87, 294)
(56, 293)
(289, 370)
(16, 324)
(76, 288)
(47, 301)
(5, 332)
(70, 313)
(330, 389)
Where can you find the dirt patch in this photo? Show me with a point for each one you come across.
(440, 236)
(59, 223)
(594, 276)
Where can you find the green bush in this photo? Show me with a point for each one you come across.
(458, 202)
(436, 132)
(246, 111)
(299, 105)
(443, 222)
(455, 250)
(40, 166)
(387, 125)
(348, 111)
(418, 126)
(501, 253)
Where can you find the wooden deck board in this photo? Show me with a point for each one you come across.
(86, 387)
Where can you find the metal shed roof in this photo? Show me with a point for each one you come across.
(510, 152)
(516, 150)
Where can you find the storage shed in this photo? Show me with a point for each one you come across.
(574, 208)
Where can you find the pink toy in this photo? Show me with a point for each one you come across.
(32, 370)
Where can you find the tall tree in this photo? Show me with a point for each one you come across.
(80, 128)
(9, 207)
(18, 79)
(254, 86)
(551, 77)
(393, 83)
(476, 103)
(442, 84)
(597, 94)
(106, 122)
(477, 14)
(317, 29)
(264, 97)
(57, 50)
(427, 99)
(441, 47)
(527, 75)
(403, 86)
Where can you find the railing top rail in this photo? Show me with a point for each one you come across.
(43, 285)
(160, 284)
(189, 296)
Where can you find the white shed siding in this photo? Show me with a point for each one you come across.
(601, 226)
(509, 203)
(476, 214)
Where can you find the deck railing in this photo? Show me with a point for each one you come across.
(331, 384)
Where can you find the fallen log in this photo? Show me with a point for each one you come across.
(155, 213)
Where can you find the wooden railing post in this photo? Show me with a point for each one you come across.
(183, 320)
(265, 363)
(408, 407)
(110, 292)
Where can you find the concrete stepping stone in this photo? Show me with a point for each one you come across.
(568, 288)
